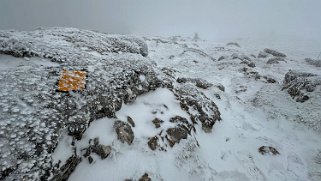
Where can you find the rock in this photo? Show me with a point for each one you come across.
(176, 134)
(130, 121)
(221, 58)
(76, 130)
(66, 170)
(124, 132)
(178, 119)
(262, 55)
(274, 53)
(300, 84)
(269, 79)
(153, 142)
(145, 177)
(101, 150)
(268, 150)
(275, 60)
(201, 83)
(198, 106)
(233, 44)
(90, 159)
(316, 63)
(157, 122)
(221, 87)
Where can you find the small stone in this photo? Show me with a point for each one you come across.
(157, 122)
(145, 177)
(101, 150)
(130, 121)
(153, 143)
(90, 159)
(268, 150)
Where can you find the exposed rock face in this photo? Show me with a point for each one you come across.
(124, 132)
(200, 108)
(274, 53)
(36, 113)
(300, 84)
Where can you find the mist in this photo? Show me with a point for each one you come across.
(211, 19)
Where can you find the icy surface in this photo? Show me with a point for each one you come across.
(210, 132)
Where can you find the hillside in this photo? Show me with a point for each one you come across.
(155, 108)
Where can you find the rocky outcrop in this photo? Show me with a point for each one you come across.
(300, 84)
(200, 108)
(34, 113)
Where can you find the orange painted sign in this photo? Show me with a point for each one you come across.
(72, 80)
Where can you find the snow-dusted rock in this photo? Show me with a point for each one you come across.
(124, 132)
(300, 84)
(274, 53)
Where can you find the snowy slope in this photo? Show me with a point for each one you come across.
(254, 111)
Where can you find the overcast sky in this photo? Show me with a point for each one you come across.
(210, 18)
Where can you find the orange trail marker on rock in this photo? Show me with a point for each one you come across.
(72, 80)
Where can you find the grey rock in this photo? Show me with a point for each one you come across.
(262, 55)
(145, 177)
(157, 122)
(130, 121)
(124, 132)
(176, 134)
(300, 84)
(66, 170)
(233, 44)
(268, 150)
(274, 53)
(198, 106)
(275, 60)
(201, 83)
(316, 63)
(101, 150)
(153, 143)
(40, 112)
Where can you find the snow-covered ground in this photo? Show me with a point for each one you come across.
(255, 112)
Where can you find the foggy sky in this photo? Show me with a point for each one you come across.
(210, 18)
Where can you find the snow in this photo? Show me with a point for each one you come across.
(230, 151)
(254, 113)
